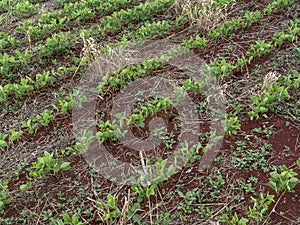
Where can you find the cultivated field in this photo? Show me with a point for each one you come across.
(225, 131)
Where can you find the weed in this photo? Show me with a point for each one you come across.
(168, 140)
(252, 159)
(255, 213)
(267, 131)
(203, 15)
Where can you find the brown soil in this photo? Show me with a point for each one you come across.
(80, 187)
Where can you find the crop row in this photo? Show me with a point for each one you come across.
(83, 10)
(49, 49)
(110, 130)
(48, 164)
(59, 44)
(132, 72)
(54, 163)
(78, 12)
(260, 48)
(218, 69)
(51, 22)
(226, 29)
(116, 22)
(114, 82)
(27, 84)
(62, 42)
(43, 119)
(18, 8)
(7, 40)
(229, 27)
(150, 29)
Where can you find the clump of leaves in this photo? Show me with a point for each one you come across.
(283, 178)
(47, 164)
(3, 194)
(232, 125)
(109, 209)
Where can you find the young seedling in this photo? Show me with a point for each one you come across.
(282, 179)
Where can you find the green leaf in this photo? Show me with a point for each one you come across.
(24, 187)
(66, 218)
(15, 135)
(65, 166)
(137, 218)
(3, 143)
(243, 221)
(298, 162)
(273, 185)
(56, 169)
(1, 204)
(292, 183)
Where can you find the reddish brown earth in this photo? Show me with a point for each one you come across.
(82, 187)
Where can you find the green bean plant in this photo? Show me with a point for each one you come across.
(148, 110)
(220, 69)
(18, 89)
(58, 44)
(109, 130)
(260, 207)
(110, 209)
(66, 103)
(151, 29)
(277, 4)
(24, 9)
(3, 194)
(283, 178)
(47, 164)
(232, 125)
(14, 135)
(197, 42)
(67, 220)
(268, 101)
(145, 11)
(44, 79)
(3, 142)
(7, 40)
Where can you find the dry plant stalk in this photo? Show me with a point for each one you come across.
(7, 19)
(269, 79)
(113, 56)
(91, 50)
(125, 210)
(29, 41)
(202, 15)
